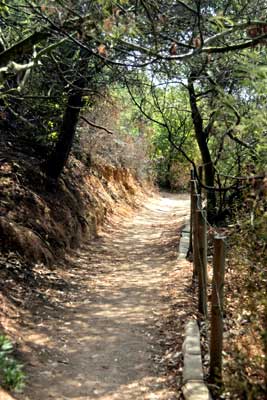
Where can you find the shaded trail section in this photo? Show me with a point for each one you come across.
(100, 342)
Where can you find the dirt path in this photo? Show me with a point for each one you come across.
(100, 340)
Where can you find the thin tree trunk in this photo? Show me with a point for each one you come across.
(204, 150)
(58, 159)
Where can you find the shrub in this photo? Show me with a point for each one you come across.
(11, 373)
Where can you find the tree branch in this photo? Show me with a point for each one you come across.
(230, 131)
(187, 7)
(14, 68)
(23, 47)
(103, 128)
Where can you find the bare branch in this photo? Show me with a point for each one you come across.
(230, 131)
(243, 178)
(139, 106)
(103, 128)
(24, 47)
(187, 7)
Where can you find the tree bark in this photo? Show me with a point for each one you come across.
(168, 175)
(58, 159)
(204, 150)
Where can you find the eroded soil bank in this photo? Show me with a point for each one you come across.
(40, 220)
(108, 332)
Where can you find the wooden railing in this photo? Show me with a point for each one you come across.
(198, 249)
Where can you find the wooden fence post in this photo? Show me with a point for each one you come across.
(216, 340)
(195, 235)
(200, 176)
(190, 247)
(265, 344)
(202, 262)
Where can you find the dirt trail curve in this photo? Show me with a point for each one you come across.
(100, 343)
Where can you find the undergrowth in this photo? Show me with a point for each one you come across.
(11, 371)
(245, 361)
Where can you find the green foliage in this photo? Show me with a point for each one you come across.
(11, 373)
(3, 8)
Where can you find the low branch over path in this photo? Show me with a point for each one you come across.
(103, 338)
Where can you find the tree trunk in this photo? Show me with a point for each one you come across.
(204, 150)
(58, 159)
(168, 175)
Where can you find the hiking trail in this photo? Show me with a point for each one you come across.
(99, 340)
